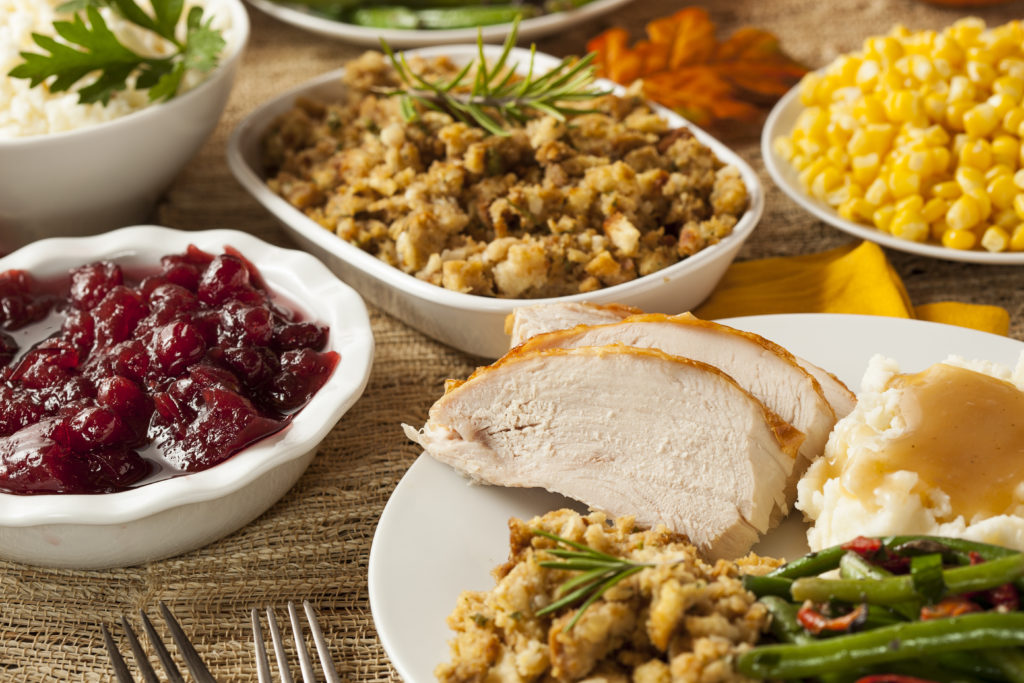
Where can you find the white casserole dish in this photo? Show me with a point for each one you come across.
(470, 323)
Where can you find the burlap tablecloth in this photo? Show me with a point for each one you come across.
(315, 542)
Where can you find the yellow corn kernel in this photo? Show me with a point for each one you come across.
(980, 120)
(1013, 120)
(807, 175)
(885, 49)
(877, 192)
(934, 105)
(980, 73)
(903, 106)
(966, 31)
(1006, 150)
(909, 225)
(872, 138)
(1018, 205)
(809, 87)
(977, 153)
(856, 209)
(869, 109)
(914, 202)
(938, 229)
(1001, 103)
(903, 183)
(783, 148)
(961, 90)
(824, 182)
(1005, 218)
(997, 170)
(882, 217)
(984, 202)
(969, 178)
(959, 239)
(864, 168)
(995, 239)
(809, 148)
(949, 189)
(1009, 85)
(813, 122)
(1002, 191)
(955, 114)
(867, 75)
(1017, 238)
(964, 213)
(1018, 179)
(939, 160)
(1013, 67)
(935, 209)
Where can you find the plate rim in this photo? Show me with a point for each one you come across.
(782, 174)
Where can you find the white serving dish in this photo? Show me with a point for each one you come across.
(110, 174)
(780, 122)
(470, 323)
(172, 516)
(420, 561)
(529, 29)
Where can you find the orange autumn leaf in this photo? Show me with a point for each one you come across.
(683, 66)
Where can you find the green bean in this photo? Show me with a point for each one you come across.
(896, 589)
(810, 564)
(968, 662)
(784, 624)
(890, 643)
(853, 566)
(1009, 661)
(767, 585)
(447, 17)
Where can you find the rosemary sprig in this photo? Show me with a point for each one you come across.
(600, 572)
(495, 97)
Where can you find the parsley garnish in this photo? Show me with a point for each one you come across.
(91, 47)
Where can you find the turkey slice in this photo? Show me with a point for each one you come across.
(625, 430)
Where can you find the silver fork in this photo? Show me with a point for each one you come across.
(195, 665)
(324, 654)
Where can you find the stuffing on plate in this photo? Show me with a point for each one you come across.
(554, 208)
(680, 619)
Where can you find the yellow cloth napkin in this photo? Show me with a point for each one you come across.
(853, 279)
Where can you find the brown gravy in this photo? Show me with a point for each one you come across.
(965, 436)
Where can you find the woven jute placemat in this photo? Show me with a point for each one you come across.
(314, 543)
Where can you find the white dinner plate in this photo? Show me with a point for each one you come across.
(781, 122)
(439, 535)
(529, 29)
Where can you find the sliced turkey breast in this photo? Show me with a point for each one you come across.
(530, 321)
(760, 366)
(527, 321)
(624, 430)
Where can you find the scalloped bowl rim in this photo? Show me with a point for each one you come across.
(240, 28)
(333, 302)
(395, 277)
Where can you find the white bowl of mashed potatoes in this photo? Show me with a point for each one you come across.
(937, 452)
(70, 169)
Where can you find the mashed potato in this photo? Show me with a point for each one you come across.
(939, 452)
(27, 111)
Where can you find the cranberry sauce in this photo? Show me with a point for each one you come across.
(107, 382)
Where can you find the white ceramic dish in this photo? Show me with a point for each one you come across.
(780, 122)
(475, 324)
(110, 174)
(529, 29)
(175, 515)
(439, 535)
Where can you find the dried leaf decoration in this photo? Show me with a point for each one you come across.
(684, 67)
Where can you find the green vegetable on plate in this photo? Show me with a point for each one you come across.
(432, 14)
(92, 48)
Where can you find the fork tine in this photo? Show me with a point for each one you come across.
(116, 660)
(330, 675)
(262, 663)
(141, 660)
(282, 659)
(170, 668)
(300, 645)
(195, 663)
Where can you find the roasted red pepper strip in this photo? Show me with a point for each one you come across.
(949, 607)
(864, 546)
(816, 622)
